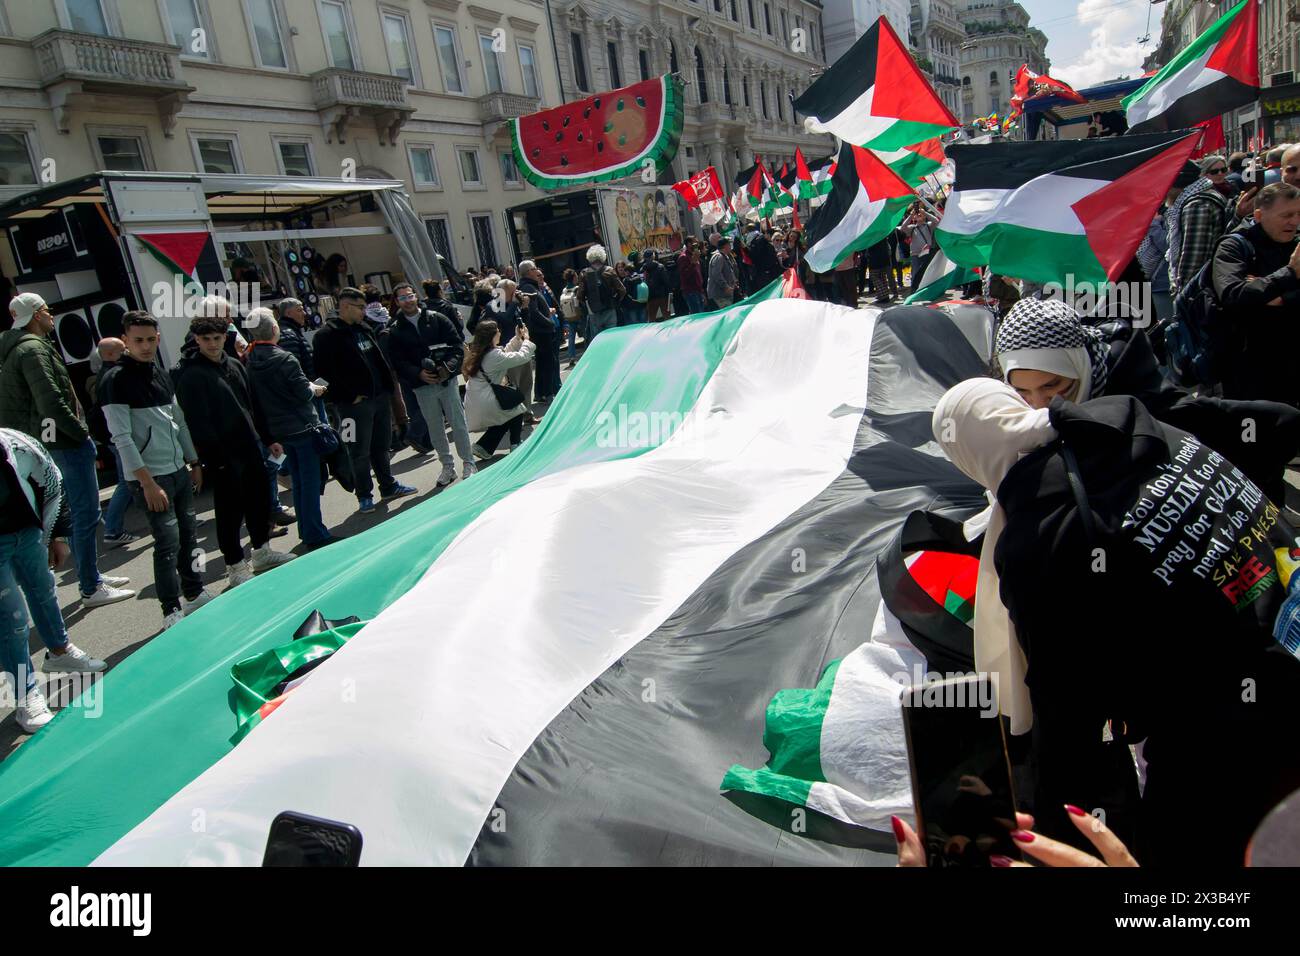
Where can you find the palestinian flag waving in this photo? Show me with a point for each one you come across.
(1217, 72)
(913, 163)
(867, 200)
(1029, 85)
(815, 182)
(1046, 210)
(875, 95)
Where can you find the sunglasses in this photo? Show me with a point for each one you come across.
(1218, 171)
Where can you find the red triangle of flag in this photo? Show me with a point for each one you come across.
(1237, 52)
(880, 181)
(931, 149)
(801, 166)
(900, 88)
(182, 249)
(1117, 216)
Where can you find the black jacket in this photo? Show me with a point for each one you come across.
(1266, 363)
(409, 344)
(293, 339)
(1260, 437)
(541, 328)
(282, 397)
(656, 279)
(766, 266)
(448, 309)
(507, 318)
(218, 407)
(1138, 602)
(339, 361)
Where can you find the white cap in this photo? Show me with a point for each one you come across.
(25, 306)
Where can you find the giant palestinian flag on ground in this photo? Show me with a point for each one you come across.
(1044, 211)
(1214, 74)
(558, 660)
(876, 96)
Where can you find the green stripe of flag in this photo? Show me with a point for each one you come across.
(1034, 254)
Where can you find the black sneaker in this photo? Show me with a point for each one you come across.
(117, 540)
(284, 517)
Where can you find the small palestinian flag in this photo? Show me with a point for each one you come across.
(1044, 211)
(941, 274)
(867, 200)
(815, 182)
(914, 163)
(756, 191)
(876, 96)
(1216, 73)
(779, 197)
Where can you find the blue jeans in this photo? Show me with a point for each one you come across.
(82, 488)
(115, 515)
(24, 570)
(694, 302)
(304, 468)
(598, 322)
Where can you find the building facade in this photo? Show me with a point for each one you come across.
(742, 62)
(846, 20)
(937, 37)
(999, 40)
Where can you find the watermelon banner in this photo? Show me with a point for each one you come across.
(603, 137)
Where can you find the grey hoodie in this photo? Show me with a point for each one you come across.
(144, 418)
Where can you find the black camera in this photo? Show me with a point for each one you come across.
(440, 361)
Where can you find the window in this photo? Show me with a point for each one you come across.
(334, 21)
(965, 81)
(424, 167)
(16, 167)
(672, 58)
(528, 70)
(767, 18)
(753, 24)
(643, 60)
(615, 74)
(87, 16)
(510, 172)
(469, 172)
(269, 41)
(295, 158)
(735, 12)
(121, 152)
(785, 25)
(397, 37)
(744, 89)
(481, 226)
(216, 154)
(440, 236)
(185, 21)
(579, 61)
(993, 76)
(491, 63)
(780, 111)
(726, 85)
(762, 92)
(700, 77)
(717, 6)
(449, 59)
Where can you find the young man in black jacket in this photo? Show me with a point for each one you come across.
(657, 285)
(426, 349)
(213, 392)
(1256, 277)
(363, 390)
(539, 317)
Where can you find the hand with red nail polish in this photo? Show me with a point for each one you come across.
(910, 852)
(1054, 853)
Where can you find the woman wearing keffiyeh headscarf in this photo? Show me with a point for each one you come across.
(1043, 350)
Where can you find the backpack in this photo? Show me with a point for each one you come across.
(1198, 339)
(569, 306)
(593, 282)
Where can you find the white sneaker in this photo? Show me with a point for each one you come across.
(34, 714)
(175, 617)
(106, 595)
(188, 607)
(448, 474)
(264, 558)
(114, 581)
(72, 661)
(468, 468)
(237, 574)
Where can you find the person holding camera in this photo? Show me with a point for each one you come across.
(426, 350)
(486, 363)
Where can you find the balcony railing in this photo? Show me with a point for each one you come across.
(503, 107)
(341, 95)
(75, 68)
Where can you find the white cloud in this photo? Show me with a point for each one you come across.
(1112, 36)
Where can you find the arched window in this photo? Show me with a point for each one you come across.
(965, 81)
(993, 76)
(726, 84)
(700, 77)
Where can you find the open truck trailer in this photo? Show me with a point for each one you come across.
(96, 246)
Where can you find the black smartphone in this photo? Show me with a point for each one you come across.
(297, 839)
(961, 775)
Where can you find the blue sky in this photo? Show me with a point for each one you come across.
(1094, 40)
